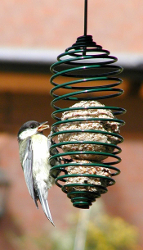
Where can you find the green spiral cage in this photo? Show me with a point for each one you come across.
(84, 72)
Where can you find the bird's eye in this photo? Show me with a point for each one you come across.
(32, 126)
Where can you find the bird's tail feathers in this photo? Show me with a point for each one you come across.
(45, 206)
(35, 201)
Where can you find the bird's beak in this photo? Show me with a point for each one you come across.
(42, 126)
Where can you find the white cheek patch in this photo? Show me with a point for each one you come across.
(29, 132)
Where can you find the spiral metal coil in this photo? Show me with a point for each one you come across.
(84, 71)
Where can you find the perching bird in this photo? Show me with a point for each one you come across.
(34, 158)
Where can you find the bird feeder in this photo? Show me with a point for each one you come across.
(85, 135)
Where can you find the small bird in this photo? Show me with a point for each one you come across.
(34, 157)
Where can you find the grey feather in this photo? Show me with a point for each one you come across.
(28, 171)
(45, 205)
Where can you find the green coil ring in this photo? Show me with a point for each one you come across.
(83, 72)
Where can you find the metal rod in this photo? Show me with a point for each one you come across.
(85, 17)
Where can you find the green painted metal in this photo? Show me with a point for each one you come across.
(90, 73)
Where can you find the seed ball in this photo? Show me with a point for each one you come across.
(101, 138)
(87, 169)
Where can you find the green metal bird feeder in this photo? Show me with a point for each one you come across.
(84, 148)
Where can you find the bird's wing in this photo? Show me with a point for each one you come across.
(27, 168)
(45, 205)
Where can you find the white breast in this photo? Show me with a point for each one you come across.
(41, 155)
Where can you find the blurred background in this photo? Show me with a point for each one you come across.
(32, 34)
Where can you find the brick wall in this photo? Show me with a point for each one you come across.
(22, 218)
(123, 199)
(116, 25)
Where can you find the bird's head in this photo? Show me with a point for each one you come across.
(31, 128)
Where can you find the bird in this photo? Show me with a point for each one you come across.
(34, 157)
